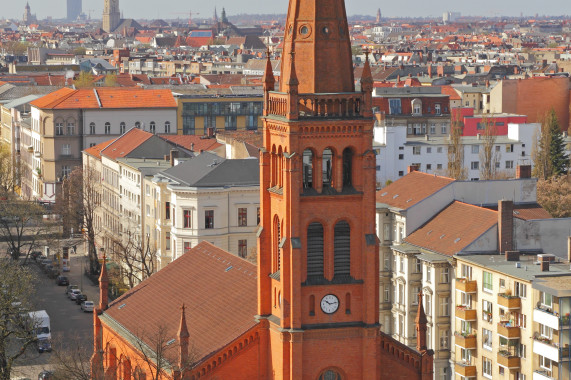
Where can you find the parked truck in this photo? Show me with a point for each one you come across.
(41, 323)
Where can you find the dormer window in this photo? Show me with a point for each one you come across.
(437, 109)
(416, 107)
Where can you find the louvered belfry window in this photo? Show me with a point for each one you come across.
(315, 251)
(342, 249)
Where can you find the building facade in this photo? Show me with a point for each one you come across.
(111, 15)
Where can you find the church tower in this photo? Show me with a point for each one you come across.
(318, 265)
(111, 15)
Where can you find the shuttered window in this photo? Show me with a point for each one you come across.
(315, 250)
(342, 249)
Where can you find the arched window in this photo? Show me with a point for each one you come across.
(276, 244)
(327, 168)
(342, 250)
(280, 167)
(314, 251)
(137, 124)
(347, 167)
(126, 368)
(122, 128)
(167, 127)
(330, 374)
(416, 107)
(152, 127)
(307, 169)
(107, 128)
(92, 128)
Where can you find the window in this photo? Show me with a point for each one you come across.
(387, 262)
(466, 300)
(444, 339)
(445, 275)
(546, 299)
(107, 128)
(209, 219)
(466, 271)
(152, 127)
(443, 129)
(401, 173)
(520, 289)
(387, 293)
(243, 248)
(418, 266)
(167, 127)
(401, 264)
(439, 166)
(188, 125)
(487, 282)
(187, 219)
(122, 127)
(138, 124)
(521, 351)
(444, 306)
(59, 129)
(432, 129)
(314, 250)
(487, 339)
(416, 150)
(520, 376)
(66, 149)
(401, 325)
(502, 283)
(437, 109)
(401, 294)
(347, 167)
(401, 156)
(342, 250)
(251, 122)
(487, 308)
(92, 128)
(509, 148)
(187, 246)
(258, 216)
(428, 274)
(387, 231)
(395, 107)
(520, 320)
(65, 170)
(544, 363)
(168, 240)
(509, 164)
(439, 149)
(307, 168)
(416, 107)
(487, 367)
(427, 304)
(230, 122)
(327, 168)
(70, 129)
(242, 217)
(545, 331)
(474, 165)
(475, 149)
(466, 327)
(148, 208)
(167, 210)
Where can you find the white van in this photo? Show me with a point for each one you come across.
(41, 322)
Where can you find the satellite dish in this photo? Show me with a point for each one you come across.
(69, 74)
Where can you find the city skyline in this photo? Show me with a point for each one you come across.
(172, 9)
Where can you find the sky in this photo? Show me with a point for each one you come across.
(167, 9)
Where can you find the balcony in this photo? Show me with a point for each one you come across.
(466, 286)
(507, 360)
(508, 301)
(465, 369)
(467, 341)
(544, 347)
(546, 317)
(466, 314)
(508, 331)
(542, 375)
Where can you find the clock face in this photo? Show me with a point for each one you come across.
(329, 304)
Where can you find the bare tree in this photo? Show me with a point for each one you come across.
(136, 257)
(17, 332)
(456, 167)
(71, 359)
(489, 156)
(11, 171)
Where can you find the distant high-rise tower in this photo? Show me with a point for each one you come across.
(73, 9)
(379, 15)
(111, 15)
(215, 15)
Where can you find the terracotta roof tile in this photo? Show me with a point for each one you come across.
(185, 141)
(95, 150)
(124, 144)
(454, 228)
(218, 289)
(411, 189)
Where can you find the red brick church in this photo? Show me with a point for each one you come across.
(310, 308)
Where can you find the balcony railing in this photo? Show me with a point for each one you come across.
(508, 360)
(465, 369)
(318, 105)
(464, 340)
(553, 351)
(466, 314)
(509, 331)
(508, 301)
(546, 317)
(466, 286)
(542, 375)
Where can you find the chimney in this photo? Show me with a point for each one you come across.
(505, 225)
(512, 255)
(430, 71)
(412, 168)
(192, 147)
(523, 171)
(173, 156)
(210, 132)
(544, 263)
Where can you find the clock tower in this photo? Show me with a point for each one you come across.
(318, 282)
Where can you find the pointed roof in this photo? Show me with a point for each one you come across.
(366, 76)
(292, 81)
(420, 315)
(183, 330)
(269, 78)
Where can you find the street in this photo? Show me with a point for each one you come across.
(68, 322)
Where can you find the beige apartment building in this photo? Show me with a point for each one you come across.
(512, 317)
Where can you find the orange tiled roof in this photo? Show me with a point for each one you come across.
(125, 144)
(213, 284)
(185, 141)
(454, 228)
(451, 92)
(134, 97)
(95, 150)
(411, 189)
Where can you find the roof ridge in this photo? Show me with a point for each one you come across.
(472, 205)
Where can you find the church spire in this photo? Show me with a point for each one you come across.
(421, 322)
(269, 79)
(183, 338)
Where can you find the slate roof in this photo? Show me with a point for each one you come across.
(411, 189)
(209, 170)
(454, 228)
(218, 289)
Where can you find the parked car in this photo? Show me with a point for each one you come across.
(35, 254)
(62, 280)
(40, 258)
(80, 298)
(44, 345)
(45, 263)
(74, 293)
(87, 306)
(45, 375)
(70, 287)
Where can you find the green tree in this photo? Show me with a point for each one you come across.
(548, 154)
(456, 167)
(80, 50)
(111, 80)
(554, 195)
(85, 80)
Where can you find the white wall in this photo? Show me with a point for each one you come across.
(549, 235)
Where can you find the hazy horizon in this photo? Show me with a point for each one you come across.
(172, 9)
